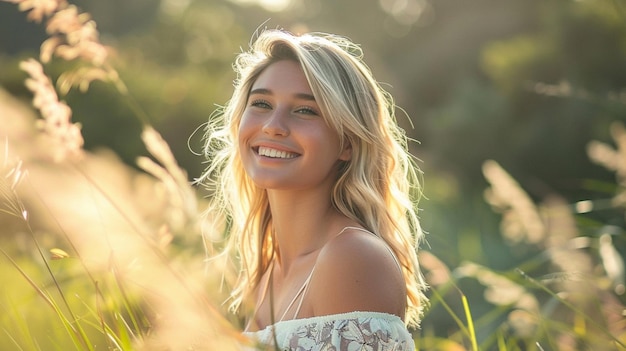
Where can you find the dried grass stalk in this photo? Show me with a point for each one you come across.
(57, 115)
(521, 219)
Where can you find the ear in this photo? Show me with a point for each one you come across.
(346, 153)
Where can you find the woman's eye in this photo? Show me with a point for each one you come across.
(307, 110)
(261, 104)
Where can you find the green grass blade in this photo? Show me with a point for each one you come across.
(454, 316)
(470, 323)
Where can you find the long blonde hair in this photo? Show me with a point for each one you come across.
(378, 188)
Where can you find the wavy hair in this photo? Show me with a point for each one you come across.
(378, 187)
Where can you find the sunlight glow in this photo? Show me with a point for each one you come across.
(174, 7)
(274, 5)
(269, 5)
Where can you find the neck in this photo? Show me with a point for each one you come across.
(302, 223)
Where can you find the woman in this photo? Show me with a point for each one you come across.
(313, 174)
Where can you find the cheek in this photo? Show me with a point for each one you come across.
(244, 130)
(329, 141)
(243, 136)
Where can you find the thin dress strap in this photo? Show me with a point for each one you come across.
(301, 292)
(305, 287)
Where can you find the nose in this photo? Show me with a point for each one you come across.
(276, 123)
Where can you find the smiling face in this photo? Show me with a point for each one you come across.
(284, 141)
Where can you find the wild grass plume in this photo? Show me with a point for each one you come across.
(108, 230)
(57, 115)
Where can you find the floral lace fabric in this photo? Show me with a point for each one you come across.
(371, 331)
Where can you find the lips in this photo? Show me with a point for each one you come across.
(274, 153)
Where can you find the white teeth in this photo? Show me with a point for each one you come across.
(266, 151)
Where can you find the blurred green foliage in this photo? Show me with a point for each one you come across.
(478, 79)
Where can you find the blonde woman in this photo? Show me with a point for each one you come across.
(319, 191)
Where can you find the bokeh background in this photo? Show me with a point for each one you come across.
(527, 84)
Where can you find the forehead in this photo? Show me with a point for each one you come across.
(285, 76)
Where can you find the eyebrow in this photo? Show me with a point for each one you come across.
(263, 91)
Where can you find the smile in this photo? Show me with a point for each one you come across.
(269, 152)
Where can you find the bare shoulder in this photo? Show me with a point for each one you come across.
(356, 271)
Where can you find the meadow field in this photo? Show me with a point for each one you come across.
(99, 253)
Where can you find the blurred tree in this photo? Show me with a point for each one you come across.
(561, 82)
(120, 17)
(477, 79)
(459, 115)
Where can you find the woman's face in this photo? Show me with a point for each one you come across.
(284, 141)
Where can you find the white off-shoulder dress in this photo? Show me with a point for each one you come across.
(352, 331)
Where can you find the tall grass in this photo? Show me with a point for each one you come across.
(96, 255)
(106, 274)
(569, 295)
